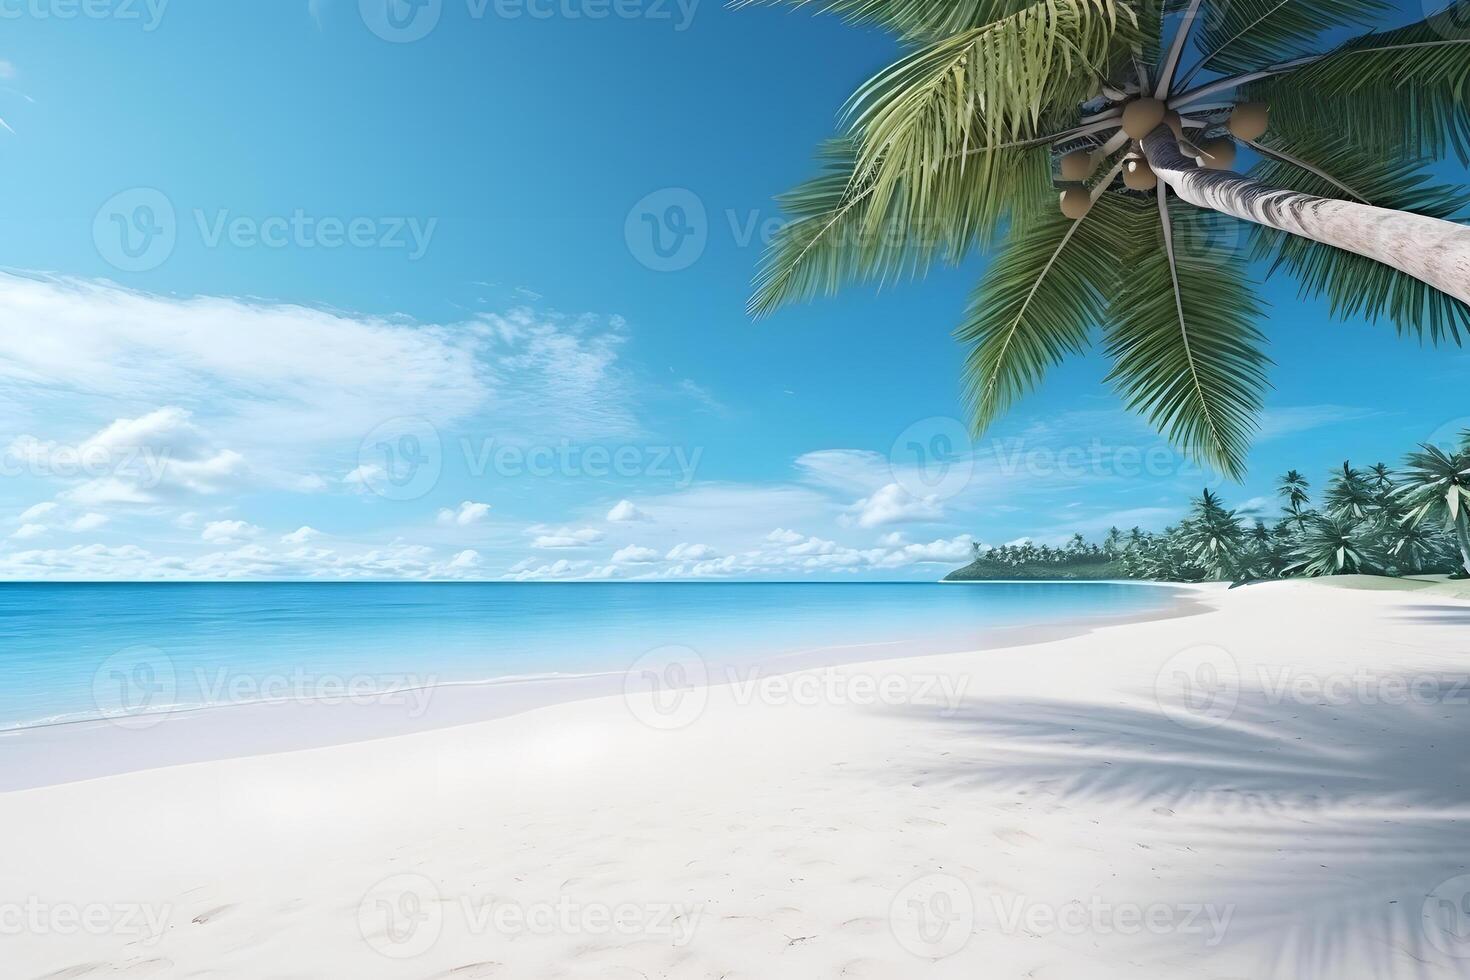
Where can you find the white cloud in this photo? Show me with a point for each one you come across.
(469, 558)
(220, 532)
(141, 460)
(892, 504)
(560, 570)
(7, 70)
(634, 555)
(29, 531)
(36, 511)
(624, 511)
(783, 536)
(691, 552)
(468, 512)
(301, 535)
(282, 385)
(563, 537)
(942, 551)
(813, 546)
(1278, 422)
(845, 469)
(88, 522)
(1257, 506)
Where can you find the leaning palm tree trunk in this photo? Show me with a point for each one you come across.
(1435, 251)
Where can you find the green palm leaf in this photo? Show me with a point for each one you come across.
(836, 236)
(1186, 352)
(1355, 285)
(1394, 91)
(1038, 301)
(927, 126)
(1240, 35)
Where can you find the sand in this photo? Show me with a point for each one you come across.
(1277, 786)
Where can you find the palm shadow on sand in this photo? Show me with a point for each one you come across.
(1339, 819)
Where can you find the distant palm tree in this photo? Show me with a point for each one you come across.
(962, 142)
(1294, 488)
(1215, 536)
(1437, 487)
(1337, 546)
(1349, 495)
(1416, 548)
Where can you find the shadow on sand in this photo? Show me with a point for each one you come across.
(1337, 820)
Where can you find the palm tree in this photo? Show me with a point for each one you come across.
(1294, 488)
(1337, 546)
(1437, 486)
(1349, 495)
(1268, 553)
(963, 141)
(1416, 548)
(1214, 535)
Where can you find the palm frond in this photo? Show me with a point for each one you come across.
(1186, 351)
(835, 235)
(1353, 284)
(926, 124)
(1038, 301)
(1401, 90)
(1244, 34)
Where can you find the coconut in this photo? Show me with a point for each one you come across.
(1221, 154)
(1076, 202)
(1174, 122)
(1077, 165)
(1142, 116)
(1138, 175)
(1248, 120)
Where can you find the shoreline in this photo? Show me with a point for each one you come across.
(1296, 828)
(74, 750)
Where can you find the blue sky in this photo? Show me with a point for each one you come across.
(287, 293)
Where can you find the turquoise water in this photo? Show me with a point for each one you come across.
(75, 651)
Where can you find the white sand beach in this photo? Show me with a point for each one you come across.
(1066, 809)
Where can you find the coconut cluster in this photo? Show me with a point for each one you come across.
(1247, 122)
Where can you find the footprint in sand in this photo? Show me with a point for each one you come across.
(471, 971)
(71, 972)
(204, 918)
(866, 925)
(1015, 836)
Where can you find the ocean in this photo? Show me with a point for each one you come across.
(83, 651)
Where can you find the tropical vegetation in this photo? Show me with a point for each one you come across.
(1131, 114)
(1377, 521)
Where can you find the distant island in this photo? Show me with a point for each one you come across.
(1415, 521)
(1026, 562)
